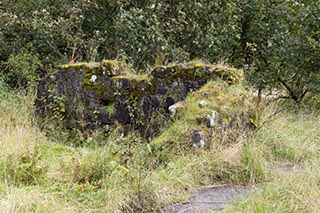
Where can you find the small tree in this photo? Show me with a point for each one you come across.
(282, 46)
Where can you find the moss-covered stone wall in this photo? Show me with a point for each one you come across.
(87, 96)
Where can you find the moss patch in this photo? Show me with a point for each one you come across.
(230, 104)
(196, 70)
(110, 107)
(77, 66)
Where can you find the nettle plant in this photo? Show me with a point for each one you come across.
(56, 105)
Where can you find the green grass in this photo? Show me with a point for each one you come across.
(38, 174)
(298, 192)
(291, 145)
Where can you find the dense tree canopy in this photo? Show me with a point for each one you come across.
(282, 45)
(277, 42)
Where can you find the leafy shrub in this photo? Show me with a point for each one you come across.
(313, 101)
(22, 70)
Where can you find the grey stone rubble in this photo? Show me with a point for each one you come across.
(198, 139)
(211, 119)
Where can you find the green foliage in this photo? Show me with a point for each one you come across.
(312, 101)
(254, 164)
(280, 43)
(179, 31)
(276, 41)
(297, 193)
(4, 88)
(22, 70)
(92, 168)
(24, 168)
(126, 174)
(57, 106)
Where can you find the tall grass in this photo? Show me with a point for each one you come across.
(127, 174)
(291, 145)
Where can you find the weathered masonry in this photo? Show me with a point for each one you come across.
(109, 94)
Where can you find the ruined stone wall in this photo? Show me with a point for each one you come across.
(87, 96)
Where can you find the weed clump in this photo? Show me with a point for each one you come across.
(24, 168)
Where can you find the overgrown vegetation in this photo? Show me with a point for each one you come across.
(128, 174)
(276, 42)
